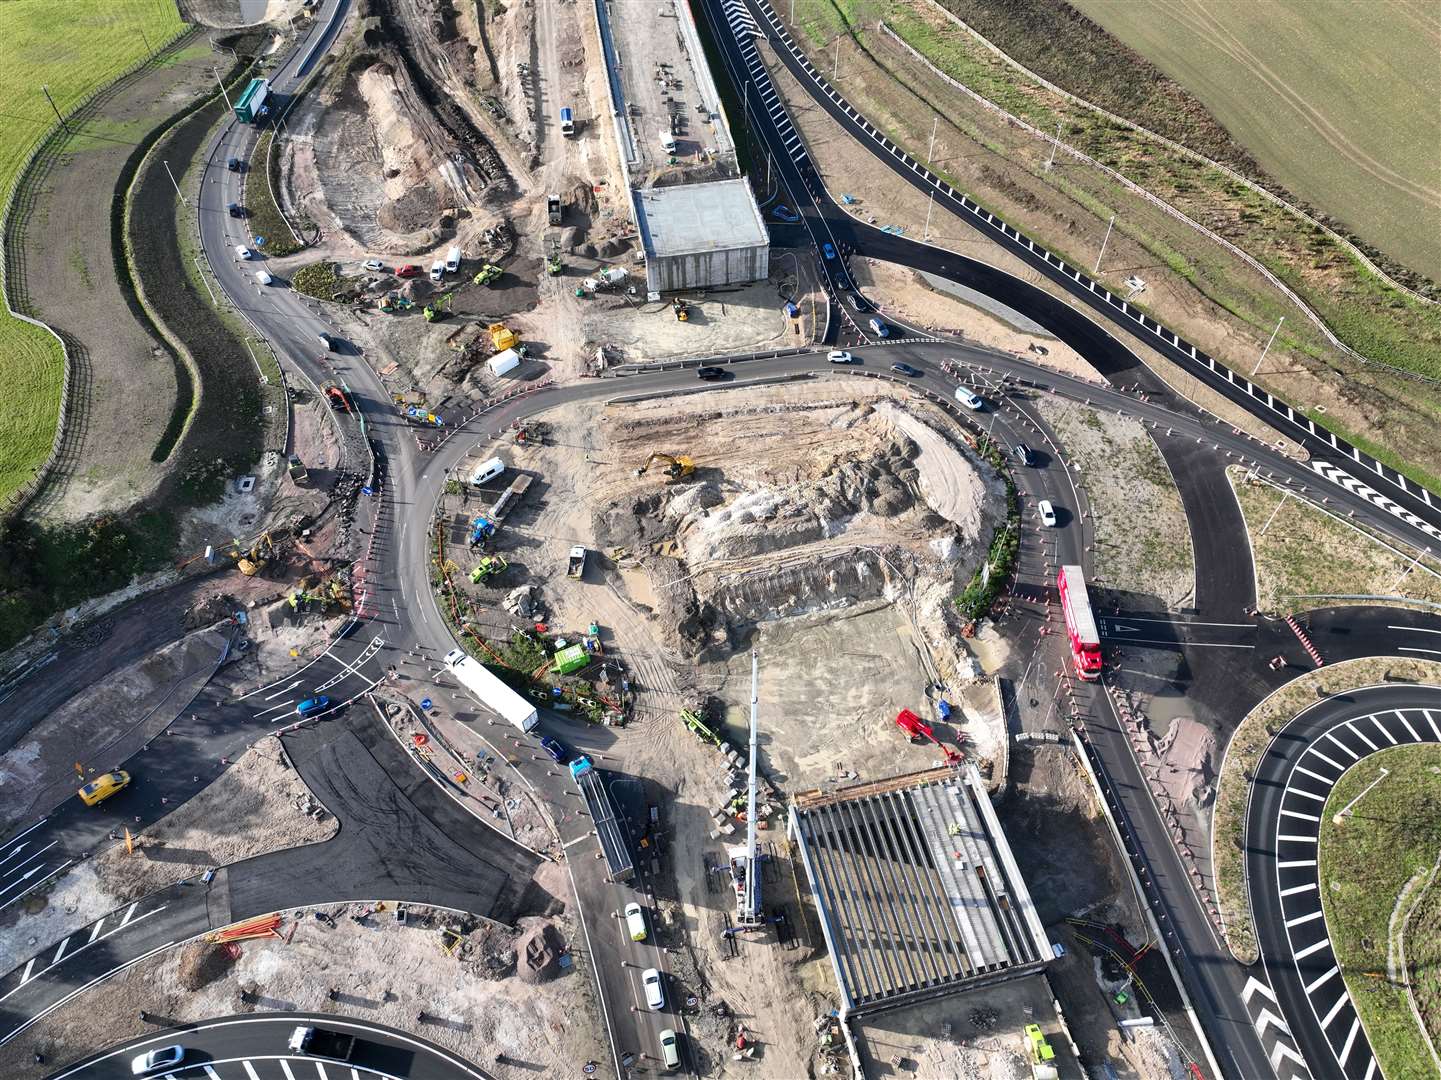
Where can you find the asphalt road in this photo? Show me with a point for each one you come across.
(255, 1048)
(1293, 779)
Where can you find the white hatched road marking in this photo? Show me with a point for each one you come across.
(1347, 749)
(1311, 987)
(1288, 864)
(1382, 729)
(1309, 949)
(1300, 919)
(250, 1071)
(1341, 1003)
(1310, 886)
(1357, 732)
(1298, 814)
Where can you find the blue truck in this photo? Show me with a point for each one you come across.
(614, 844)
(567, 122)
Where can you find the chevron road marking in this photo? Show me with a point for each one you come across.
(1268, 1019)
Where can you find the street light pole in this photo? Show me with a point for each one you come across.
(228, 107)
(1345, 811)
(1054, 143)
(836, 70)
(1100, 254)
(177, 186)
(46, 91)
(929, 207)
(1268, 346)
(1276, 511)
(931, 151)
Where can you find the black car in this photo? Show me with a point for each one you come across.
(710, 374)
(1025, 455)
(906, 369)
(235, 165)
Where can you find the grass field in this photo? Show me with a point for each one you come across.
(1335, 99)
(1390, 838)
(72, 49)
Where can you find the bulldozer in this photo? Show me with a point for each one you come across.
(488, 567)
(437, 308)
(676, 468)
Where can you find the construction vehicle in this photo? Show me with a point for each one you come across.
(552, 205)
(575, 567)
(676, 468)
(394, 303)
(693, 719)
(436, 310)
(502, 337)
(297, 471)
(745, 860)
(571, 659)
(682, 312)
(338, 398)
(605, 822)
(481, 529)
(486, 274)
(552, 263)
(250, 105)
(488, 567)
(919, 732)
(253, 561)
(531, 432)
(490, 691)
(1041, 1054)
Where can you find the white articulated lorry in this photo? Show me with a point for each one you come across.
(490, 691)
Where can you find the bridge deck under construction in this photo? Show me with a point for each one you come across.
(919, 895)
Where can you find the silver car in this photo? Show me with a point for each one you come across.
(165, 1057)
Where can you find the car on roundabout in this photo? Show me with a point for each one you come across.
(103, 787)
(906, 369)
(152, 1061)
(840, 356)
(311, 706)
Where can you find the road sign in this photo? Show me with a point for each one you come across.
(425, 703)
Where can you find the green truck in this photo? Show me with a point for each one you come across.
(250, 106)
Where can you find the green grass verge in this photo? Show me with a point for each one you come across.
(266, 219)
(1388, 840)
(1243, 752)
(71, 49)
(317, 279)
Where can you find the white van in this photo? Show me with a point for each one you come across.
(969, 399)
(437, 270)
(487, 470)
(667, 142)
(452, 261)
(262, 277)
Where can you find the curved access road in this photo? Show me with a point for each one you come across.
(255, 1048)
(1283, 821)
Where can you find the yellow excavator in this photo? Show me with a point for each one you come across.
(676, 467)
(253, 561)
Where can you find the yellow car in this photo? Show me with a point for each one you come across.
(104, 786)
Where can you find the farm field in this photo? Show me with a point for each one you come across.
(1388, 841)
(1333, 98)
(73, 49)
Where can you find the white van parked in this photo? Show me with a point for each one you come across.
(452, 261)
(667, 142)
(487, 470)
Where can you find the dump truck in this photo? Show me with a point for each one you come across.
(490, 691)
(320, 1042)
(502, 337)
(1041, 1054)
(298, 471)
(250, 105)
(552, 205)
(575, 567)
(567, 122)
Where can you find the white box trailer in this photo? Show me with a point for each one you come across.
(503, 363)
(490, 691)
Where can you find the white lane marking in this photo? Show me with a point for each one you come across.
(250, 1071)
(1415, 629)
(285, 1068)
(1431, 652)
(25, 975)
(1336, 1008)
(211, 1073)
(1288, 864)
(1311, 987)
(1310, 886)
(1254, 984)
(27, 892)
(129, 913)
(1343, 746)
(27, 832)
(1432, 721)
(1371, 1068)
(95, 932)
(1309, 949)
(1307, 794)
(1402, 717)
(1357, 732)
(1350, 1040)
(1312, 750)
(1382, 729)
(1328, 781)
(277, 708)
(1298, 814)
(283, 690)
(60, 952)
(76, 993)
(320, 1068)
(1192, 644)
(77, 952)
(1300, 919)
(30, 858)
(1297, 839)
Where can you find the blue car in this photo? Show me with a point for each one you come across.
(311, 706)
(828, 251)
(555, 748)
(785, 213)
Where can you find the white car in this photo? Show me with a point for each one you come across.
(635, 922)
(840, 356)
(262, 277)
(242, 251)
(375, 266)
(971, 401)
(166, 1057)
(1047, 512)
(654, 989)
